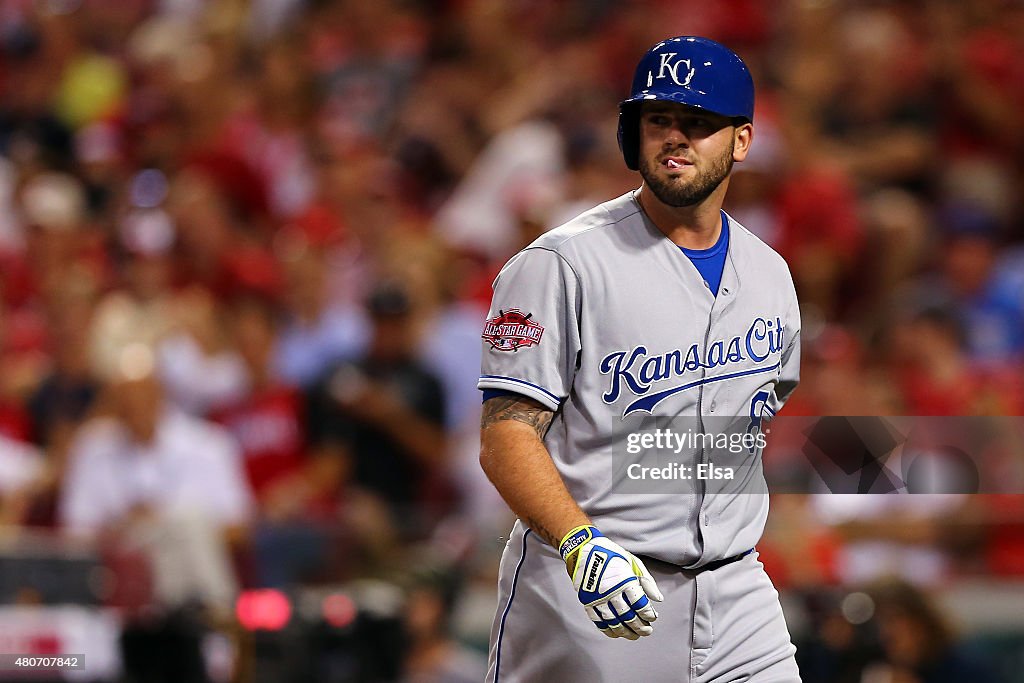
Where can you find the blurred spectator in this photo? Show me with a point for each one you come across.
(838, 378)
(821, 238)
(92, 85)
(387, 412)
(142, 312)
(15, 422)
(213, 248)
(978, 53)
(269, 422)
(891, 632)
(318, 332)
(10, 230)
(447, 330)
(199, 366)
(898, 238)
(271, 132)
(60, 239)
(65, 395)
(434, 656)
(934, 375)
(198, 369)
(22, 468)
(519, 168)
(297, 488)
(376, 48)
(908, 536)
(917, 643)
(878, 129)
(836, 648)
(99, 148)
(154, 478)
(59, 258)
(981, 286)
(31, 134)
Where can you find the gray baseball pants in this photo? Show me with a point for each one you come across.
(720, 626)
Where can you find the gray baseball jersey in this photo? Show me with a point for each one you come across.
(605, 321)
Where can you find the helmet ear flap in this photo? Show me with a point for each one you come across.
(629, 134)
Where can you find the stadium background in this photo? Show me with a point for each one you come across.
(283, 217)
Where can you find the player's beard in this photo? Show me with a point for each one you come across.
(675, 192)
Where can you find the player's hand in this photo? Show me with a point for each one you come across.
(614, 586)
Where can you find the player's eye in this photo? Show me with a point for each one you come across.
(658, 119)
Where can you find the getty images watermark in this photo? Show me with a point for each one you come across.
(819, 455)
(669, 441)
(685, 455)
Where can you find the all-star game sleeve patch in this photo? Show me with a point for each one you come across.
(512, 330)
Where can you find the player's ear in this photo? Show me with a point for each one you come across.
(743, 135)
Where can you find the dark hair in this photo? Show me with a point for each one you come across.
(445, 583)
(895, 596)
(388, 300)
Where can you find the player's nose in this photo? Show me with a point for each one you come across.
(675, 140)
(676, 137)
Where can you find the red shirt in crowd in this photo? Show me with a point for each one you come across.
(269, 429)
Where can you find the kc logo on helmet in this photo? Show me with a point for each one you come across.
(666, 67)
(511, 330)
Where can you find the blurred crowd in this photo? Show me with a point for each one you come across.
(246, 249)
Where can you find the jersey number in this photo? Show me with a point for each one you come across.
(759, 409)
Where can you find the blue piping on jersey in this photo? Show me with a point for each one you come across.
(556, 399)
(648, 403)
(504, 615)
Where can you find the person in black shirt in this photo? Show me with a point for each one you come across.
(385, 412)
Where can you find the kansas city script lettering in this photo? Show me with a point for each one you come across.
(638, 371)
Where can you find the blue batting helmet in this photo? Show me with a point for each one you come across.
(689, 70)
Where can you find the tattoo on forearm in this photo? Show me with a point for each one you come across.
(520, 409)
(529, 412)
(543, 532)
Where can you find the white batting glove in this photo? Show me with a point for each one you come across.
(613, 584)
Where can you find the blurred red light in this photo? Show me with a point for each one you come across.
(265, 609)
(339, 610)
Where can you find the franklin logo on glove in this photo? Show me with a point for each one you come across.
(596, 562)
(617, 590)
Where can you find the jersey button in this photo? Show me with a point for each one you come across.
(714, 405)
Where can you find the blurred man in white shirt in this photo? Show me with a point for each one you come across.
(170, 483)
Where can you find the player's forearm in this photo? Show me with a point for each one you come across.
(513, 456)
(519, 466)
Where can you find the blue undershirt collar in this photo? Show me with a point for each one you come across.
(710, 262)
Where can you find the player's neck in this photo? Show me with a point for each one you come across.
(690, 227)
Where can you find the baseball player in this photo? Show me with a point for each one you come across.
(654, 305)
